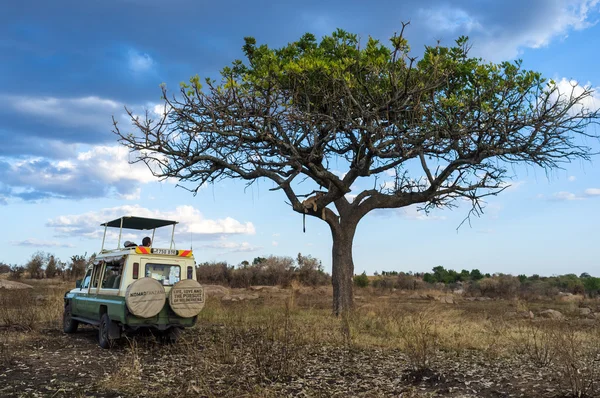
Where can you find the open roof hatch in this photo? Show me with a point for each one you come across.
(139, 223)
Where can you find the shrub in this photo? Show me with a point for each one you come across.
(420, 340)
(16, 272)
(406, 282)
(576, 362)
(216, 273)
(537, 343)
(361, 280)
(4, 268)
(35, 265)
(310, 271)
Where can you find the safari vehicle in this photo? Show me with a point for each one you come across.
(136, 287)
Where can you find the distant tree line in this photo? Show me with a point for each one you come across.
(46, 265)
(270, 271)
(476, 283)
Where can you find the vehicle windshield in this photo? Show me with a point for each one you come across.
(166, 274)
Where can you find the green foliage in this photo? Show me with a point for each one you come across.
(361, 280)
(429, 278)
(591, 285)
(258, 260)
(476, 275)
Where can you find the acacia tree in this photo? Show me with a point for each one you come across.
(446, 127)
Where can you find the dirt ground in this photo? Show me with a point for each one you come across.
(274, 343)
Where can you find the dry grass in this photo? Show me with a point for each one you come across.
(289, 344)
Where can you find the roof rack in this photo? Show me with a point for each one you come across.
(139, 223)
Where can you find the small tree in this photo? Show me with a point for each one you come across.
(51, 267)
(16, 271)
(77, 266)
(290, 114)
(35, 265)
(4, 268)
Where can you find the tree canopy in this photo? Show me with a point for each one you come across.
(288, 114)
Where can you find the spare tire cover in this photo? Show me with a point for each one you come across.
(186, 298)
(145, 297)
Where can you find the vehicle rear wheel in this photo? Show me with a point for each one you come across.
(69, 324)
(104, 339)
(170, 336)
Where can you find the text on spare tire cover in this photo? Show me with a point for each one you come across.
(181, 296)
(145, 293)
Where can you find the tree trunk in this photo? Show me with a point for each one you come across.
(343, 266)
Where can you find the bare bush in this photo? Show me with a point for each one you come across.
(536, 342)
(275, 347)
(577, 360)
(218, 273)
(419, 337)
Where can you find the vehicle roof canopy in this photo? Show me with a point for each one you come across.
(141, 223)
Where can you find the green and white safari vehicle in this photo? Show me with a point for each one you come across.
(136, 287)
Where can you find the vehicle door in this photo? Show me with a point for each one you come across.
(77, 307)
(90, 302)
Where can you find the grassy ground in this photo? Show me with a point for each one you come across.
(286, 343)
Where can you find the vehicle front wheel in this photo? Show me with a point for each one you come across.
(104, 339)
(69, 324)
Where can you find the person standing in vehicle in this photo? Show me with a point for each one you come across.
(147, 241)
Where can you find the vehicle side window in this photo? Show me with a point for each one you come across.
(112, 276)
(96, 276)
(86, 280)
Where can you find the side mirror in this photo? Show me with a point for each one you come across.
(78, 283)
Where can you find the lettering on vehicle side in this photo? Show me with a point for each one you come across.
(145, 293)
(184, 296)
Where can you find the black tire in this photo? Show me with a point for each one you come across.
(103, 338)
(69, 324)
(170, 336)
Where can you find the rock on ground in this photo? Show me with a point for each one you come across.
(552, 314)
(585, 311)
(240, 297)
(6, 284)
(216, 290)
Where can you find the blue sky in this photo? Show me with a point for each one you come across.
(66, 67)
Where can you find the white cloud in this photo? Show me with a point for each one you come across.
(511, 185)
(572, 178)
(191, 221)
(40, 243)
(139, 62)
(275, 243)
(498, 34)
(97, 172)
(564, 195)
(90, 112)
(449, 19)
(409, 213)
(568, 88)
(231, 247)
(592, 192)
